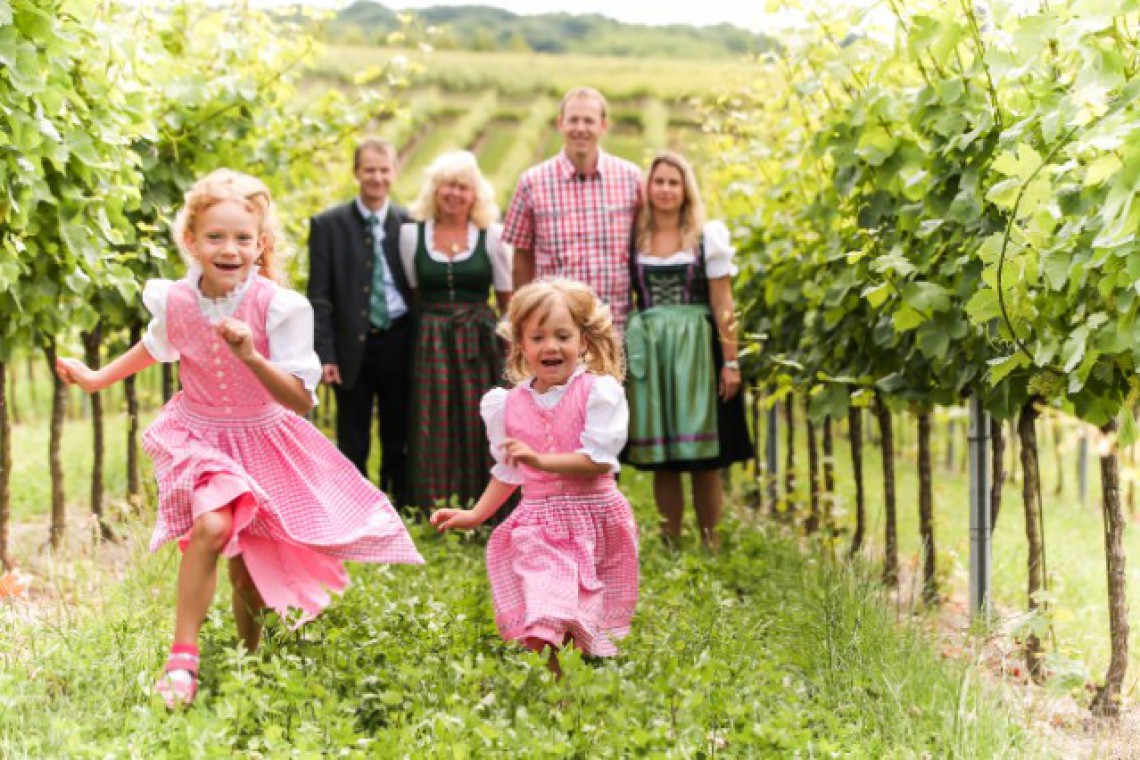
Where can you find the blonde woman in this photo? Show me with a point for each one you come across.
(453, 256)
(686, 414)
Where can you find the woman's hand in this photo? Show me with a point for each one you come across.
(518, 452)
(729, 383)
(238, 336)
(454, 519)
(75, 372)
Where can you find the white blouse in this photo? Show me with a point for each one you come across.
(719, 253)
(500, 253)
(288, 325)
(603, 438)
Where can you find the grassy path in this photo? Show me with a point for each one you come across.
(761, 652)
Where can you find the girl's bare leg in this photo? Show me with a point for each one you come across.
(198, 573)
(670, 498)
(708, 498)
(538, 645)
(247, 604)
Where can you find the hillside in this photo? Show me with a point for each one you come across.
(483, 28)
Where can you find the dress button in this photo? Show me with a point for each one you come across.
(364, 312)
(217, 360)
(364, 289)
(223, 386)
(219, 373)
(361, 337)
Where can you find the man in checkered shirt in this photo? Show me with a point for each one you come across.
(571, 215)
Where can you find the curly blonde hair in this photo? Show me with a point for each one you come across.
(692, 208)
(227, 185)
(593, 318)
(456, 166)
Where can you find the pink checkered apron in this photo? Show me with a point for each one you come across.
(300, 508)
(564, 564)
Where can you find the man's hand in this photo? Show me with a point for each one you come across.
(330, 374)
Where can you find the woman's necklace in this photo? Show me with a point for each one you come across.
(448, 240)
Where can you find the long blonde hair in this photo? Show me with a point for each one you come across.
(227, 185)
(592, 317)
(692, 208)
(456, 166)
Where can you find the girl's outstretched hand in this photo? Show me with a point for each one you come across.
(517, 452)
(454, 519)
(237, 335)
(75, 372)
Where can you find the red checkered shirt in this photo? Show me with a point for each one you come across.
(579, 225)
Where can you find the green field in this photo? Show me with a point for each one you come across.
(502, 106)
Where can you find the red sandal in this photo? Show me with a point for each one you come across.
(178, 692)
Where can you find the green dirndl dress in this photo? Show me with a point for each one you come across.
(456, 358)
(677, 420)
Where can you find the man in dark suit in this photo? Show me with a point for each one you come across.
(361, 302)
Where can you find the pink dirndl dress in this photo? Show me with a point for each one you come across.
(564, 564)
(300, 507)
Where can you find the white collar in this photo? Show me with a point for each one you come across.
(223, 306)
(557, 389)
(381, 213)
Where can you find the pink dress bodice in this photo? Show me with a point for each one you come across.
(212, 376)
(555, 430)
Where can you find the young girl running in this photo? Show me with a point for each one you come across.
(240, 474)
(563, 566)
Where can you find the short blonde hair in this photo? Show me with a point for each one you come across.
(692, 208)
(456, 166)
(589, 93)
(592, 317)
(227, 185)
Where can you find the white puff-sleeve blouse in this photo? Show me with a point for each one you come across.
(602, 439)
(500, 253)
(288, 326)
(719, 253)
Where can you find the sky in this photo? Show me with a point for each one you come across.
(748, 14)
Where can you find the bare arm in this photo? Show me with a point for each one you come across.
(576, 463)
(75, 372)
(724, 312)
(493, 497)
(523, 266)
(285, 389)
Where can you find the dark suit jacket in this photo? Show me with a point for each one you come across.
(340, 282)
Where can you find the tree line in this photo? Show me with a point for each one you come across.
(481, 28)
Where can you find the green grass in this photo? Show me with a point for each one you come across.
(1073, 533)
(761, 652)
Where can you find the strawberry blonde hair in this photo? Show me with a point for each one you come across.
(593, 318)
(227, 185)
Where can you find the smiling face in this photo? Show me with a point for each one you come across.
(225, 241)
(454, 198)
(552, 345)
(375, 172)
(582, 124)
(666, 188)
